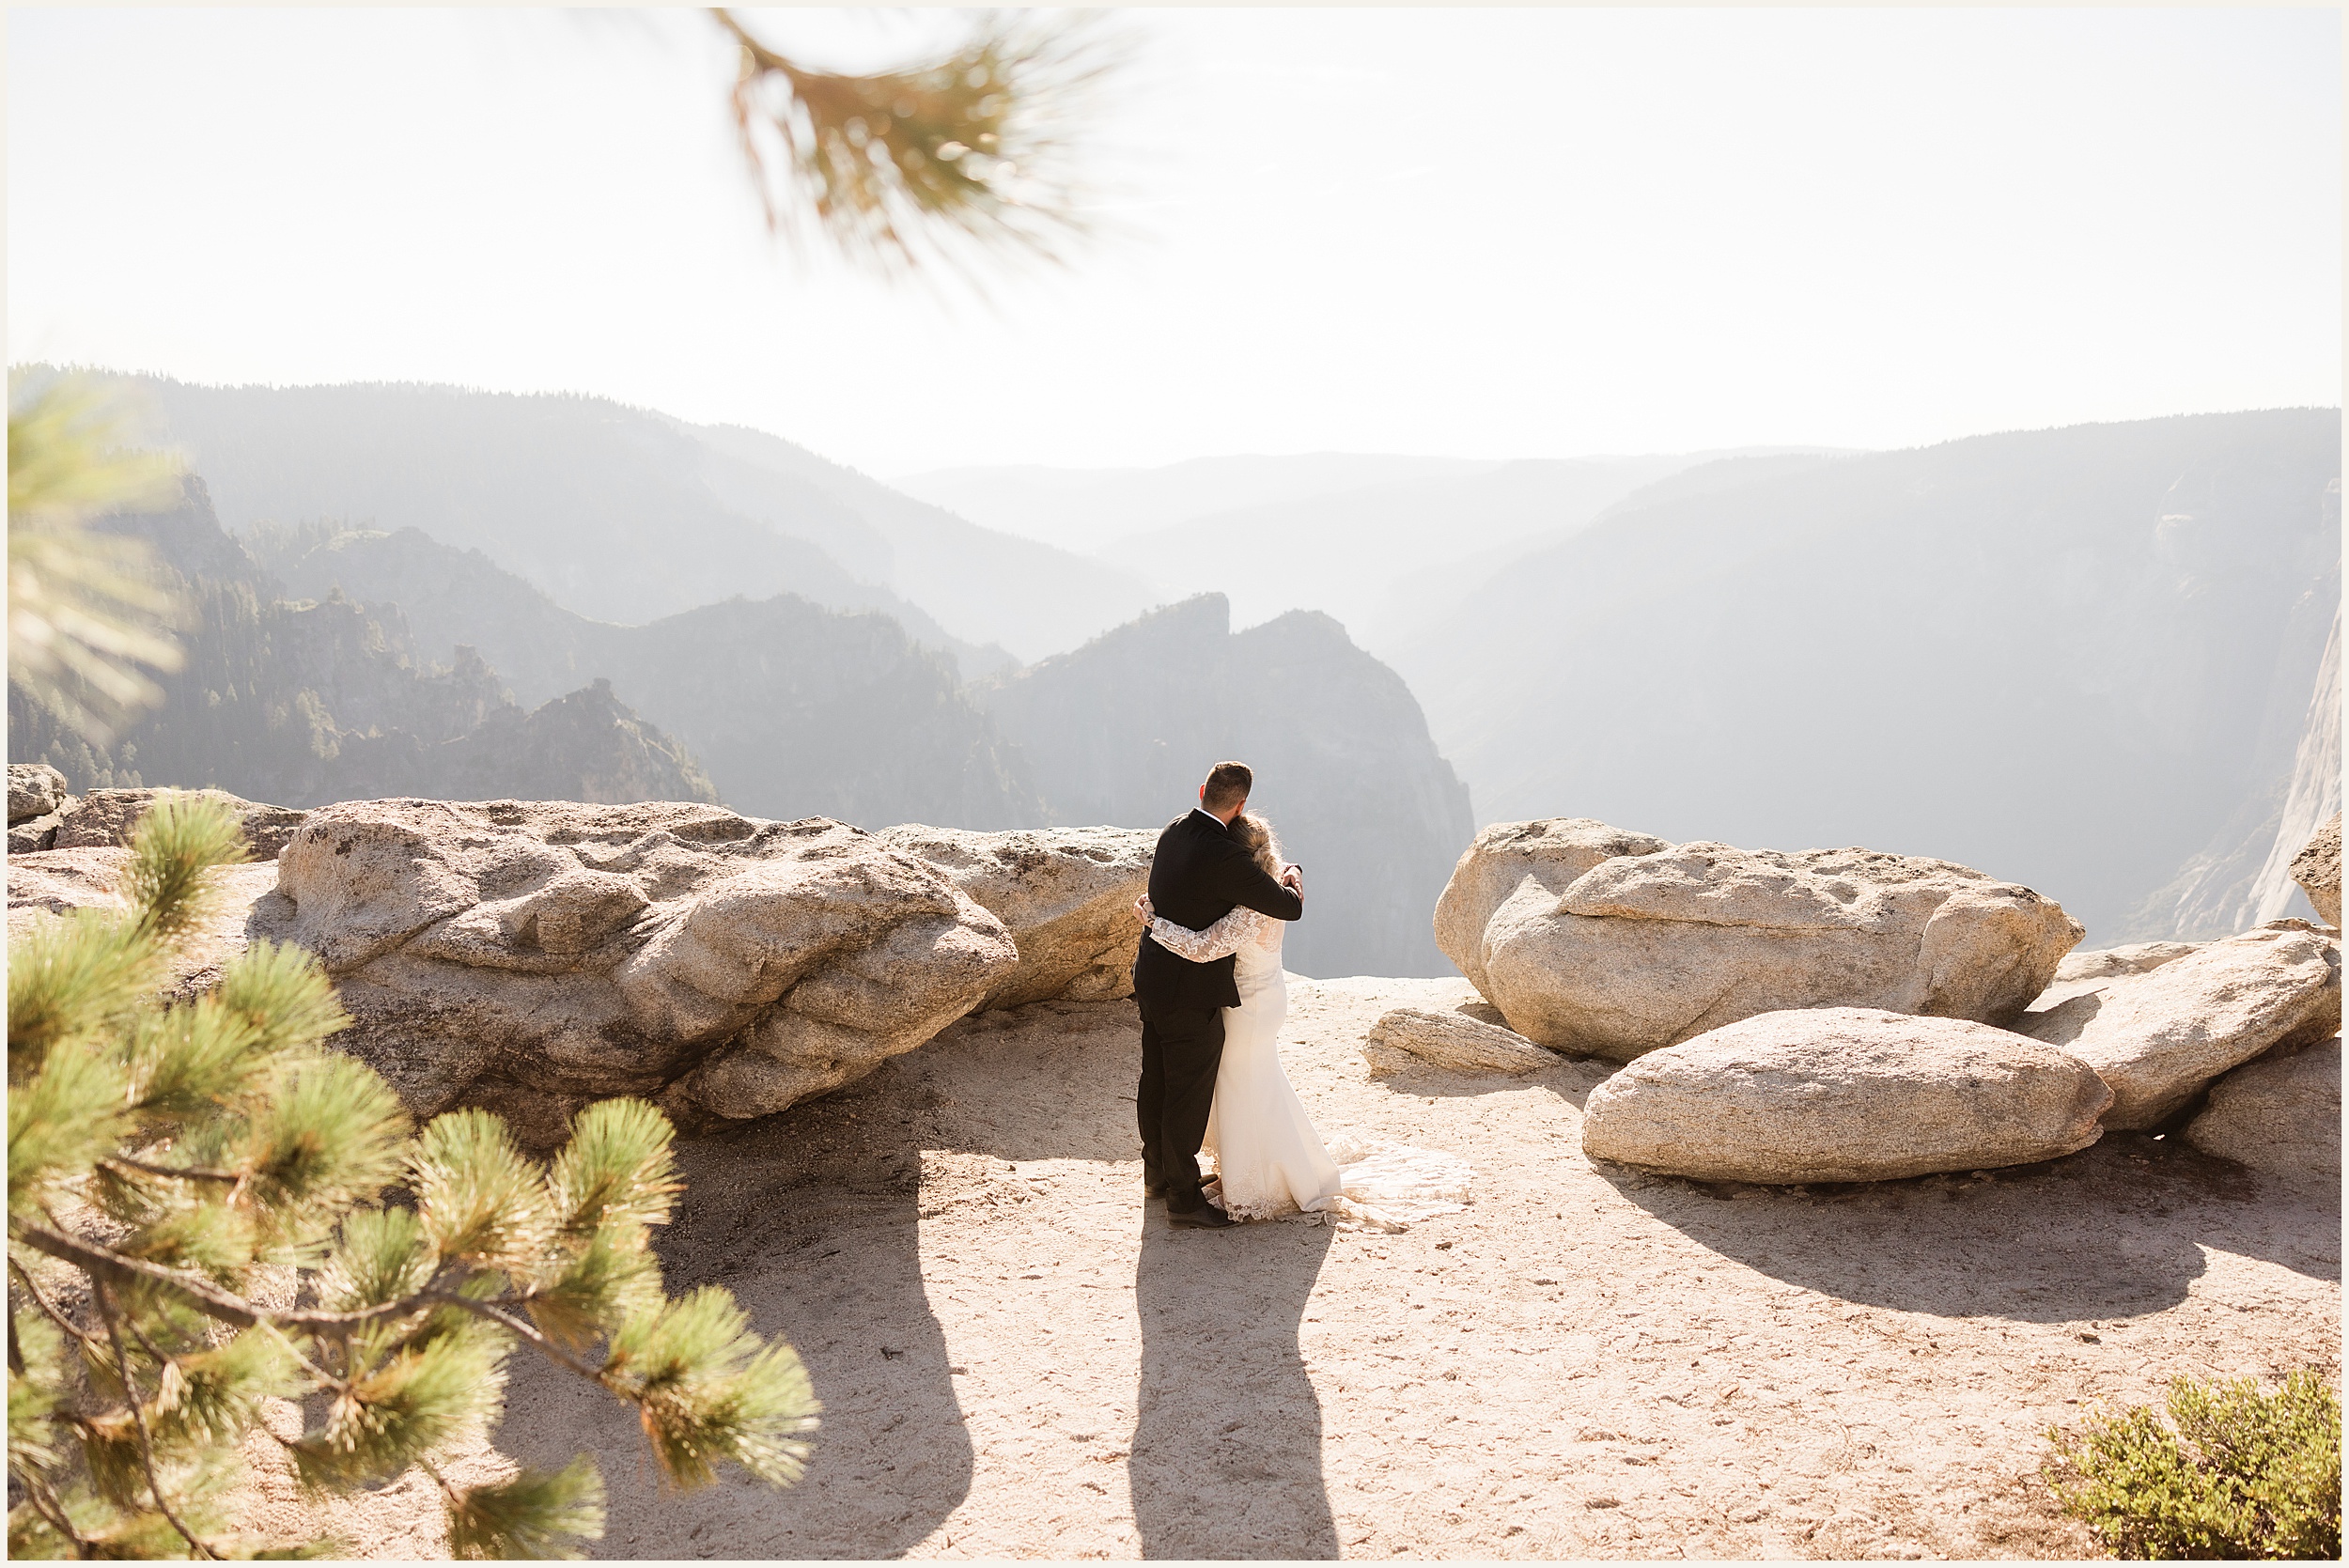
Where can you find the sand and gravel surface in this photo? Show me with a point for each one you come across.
(1018, 1358)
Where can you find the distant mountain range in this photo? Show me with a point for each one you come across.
(301, 704)
(1358, 538)
(796, 710)
(1088, 510)
(2082, 658)
(2092, 660)
(625, 515)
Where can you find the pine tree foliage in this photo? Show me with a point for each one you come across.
(970, 149)
(174, 1169)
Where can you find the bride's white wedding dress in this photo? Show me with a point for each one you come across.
(1267, 1157)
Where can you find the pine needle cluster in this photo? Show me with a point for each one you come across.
(90, 612)
(198, 1227)
(2234, 1472)
(971, 149)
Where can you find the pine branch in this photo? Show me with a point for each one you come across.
(24, 1278)
(339, 1384)
(138, 1419)
(970, 147)
(185, 1174)
(491, 1311)
(45, 1504)
(105, 1266)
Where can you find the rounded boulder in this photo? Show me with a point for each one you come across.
(1845, 1094)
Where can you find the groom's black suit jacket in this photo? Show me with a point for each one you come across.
(1199, 874)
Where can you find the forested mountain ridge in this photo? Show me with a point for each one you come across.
(1123, 729)
(795, 710)
(305, 703)
(2068, 657)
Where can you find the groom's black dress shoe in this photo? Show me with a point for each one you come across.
(1207, 1217)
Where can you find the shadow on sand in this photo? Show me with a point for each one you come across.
(2115, 1231)
(812, 1218)
(1219, 1312)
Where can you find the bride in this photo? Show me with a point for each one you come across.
(1268, 1159)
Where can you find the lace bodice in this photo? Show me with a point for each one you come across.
(1240, 930)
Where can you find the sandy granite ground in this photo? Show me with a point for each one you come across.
(1017, 1358)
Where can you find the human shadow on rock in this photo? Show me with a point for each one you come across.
(1226, 1459)
(2063, 1241)
(810, 1219)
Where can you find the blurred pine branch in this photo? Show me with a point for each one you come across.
(905, 168)
(90, 613)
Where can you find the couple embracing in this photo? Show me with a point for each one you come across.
(1209, 986)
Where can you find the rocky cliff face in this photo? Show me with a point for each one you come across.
(796, 710)
(1123, 729)
(306, 702)
(2243, 877)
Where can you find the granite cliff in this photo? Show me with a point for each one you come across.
(1123, 729)
(303, 703)
(797, 710)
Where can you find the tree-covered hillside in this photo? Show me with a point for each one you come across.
(304, 702)
(797, 710)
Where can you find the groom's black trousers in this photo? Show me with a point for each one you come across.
(1181, 1049)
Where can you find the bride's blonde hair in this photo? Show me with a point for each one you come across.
(1256, 836)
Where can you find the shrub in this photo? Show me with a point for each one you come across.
(2234, 1472)
(173, 1170)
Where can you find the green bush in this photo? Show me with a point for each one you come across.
(197, 1225)
(2234, 1472)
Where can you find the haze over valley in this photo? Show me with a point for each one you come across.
(2087, 658)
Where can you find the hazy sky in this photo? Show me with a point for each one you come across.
(1480, 233)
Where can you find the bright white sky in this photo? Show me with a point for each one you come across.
(1488, 233)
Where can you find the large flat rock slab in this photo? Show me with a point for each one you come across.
(1066, 895)
(1845, 1094)
(532, 956)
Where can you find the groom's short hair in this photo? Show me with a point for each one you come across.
(1228, 784)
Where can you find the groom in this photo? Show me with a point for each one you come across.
(1198, 874)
